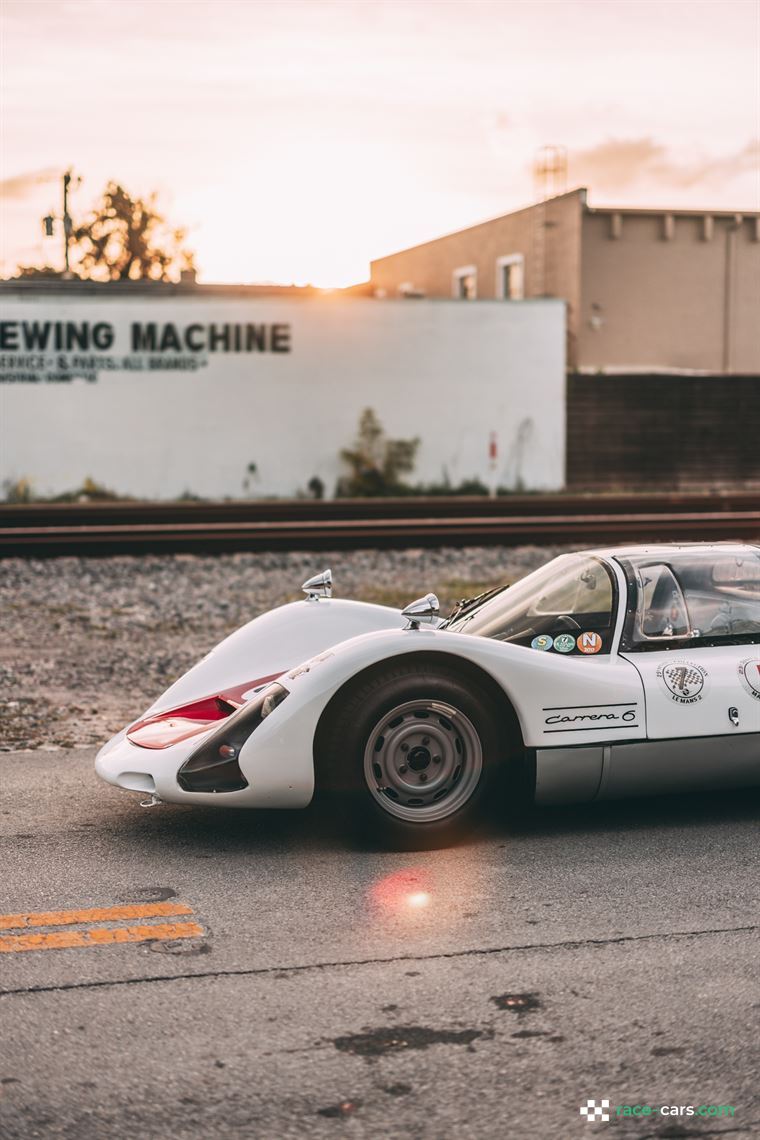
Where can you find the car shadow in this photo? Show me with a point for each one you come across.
(209, 832)
(645, 813)
(221, 829)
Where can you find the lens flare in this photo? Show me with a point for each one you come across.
(401, 892)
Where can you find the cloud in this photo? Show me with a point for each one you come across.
(744, 161)
(21, 185)
(620, 163)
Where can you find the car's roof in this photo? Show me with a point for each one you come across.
(671, 548)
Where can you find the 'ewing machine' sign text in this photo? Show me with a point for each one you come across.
(34, 351)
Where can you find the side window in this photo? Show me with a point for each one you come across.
(662, 608)
(510, 275)
(464, 283)
(709, 600)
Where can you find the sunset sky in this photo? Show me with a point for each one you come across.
(296, 140)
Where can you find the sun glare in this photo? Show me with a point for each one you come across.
(303, 219)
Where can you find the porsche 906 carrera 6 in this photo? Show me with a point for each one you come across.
(606, 673)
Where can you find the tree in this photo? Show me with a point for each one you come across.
(375, 462)
(127, 239)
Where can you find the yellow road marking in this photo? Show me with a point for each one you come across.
(93, 914)
(100, 936)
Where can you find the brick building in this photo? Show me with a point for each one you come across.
(658, 290)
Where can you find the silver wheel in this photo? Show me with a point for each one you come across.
(423, 761)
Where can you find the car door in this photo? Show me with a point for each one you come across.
(693, 634)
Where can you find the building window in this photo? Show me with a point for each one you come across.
(510, 277)
(464, 283)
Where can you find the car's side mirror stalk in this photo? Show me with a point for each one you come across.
(320, 586)
(424, 611)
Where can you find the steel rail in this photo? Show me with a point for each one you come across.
(282, 510)
(429, 529)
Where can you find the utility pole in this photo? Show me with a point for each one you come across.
(68, 225)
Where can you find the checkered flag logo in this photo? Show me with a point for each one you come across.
(593, 1111)
(682, 679)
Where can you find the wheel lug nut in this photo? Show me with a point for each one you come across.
(426, 740)
(436, 759)
(423, 778)
(404, 747)
(403, 769)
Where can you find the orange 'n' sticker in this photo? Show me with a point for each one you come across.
(589, 642)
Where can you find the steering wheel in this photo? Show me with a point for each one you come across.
(564, 621)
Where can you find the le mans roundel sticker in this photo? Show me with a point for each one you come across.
(749, 675)
(684, 681)
(589, 642)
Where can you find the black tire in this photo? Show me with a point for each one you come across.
(379, 764)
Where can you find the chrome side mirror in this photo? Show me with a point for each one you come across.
(320, 586)
(422, 612)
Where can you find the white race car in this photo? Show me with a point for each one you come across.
(606, 673)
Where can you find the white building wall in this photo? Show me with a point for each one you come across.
(446, 371)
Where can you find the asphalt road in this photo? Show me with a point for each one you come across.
(311, 989)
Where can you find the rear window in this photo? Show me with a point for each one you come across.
(695, 596)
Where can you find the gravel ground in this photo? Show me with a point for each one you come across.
(87, 643)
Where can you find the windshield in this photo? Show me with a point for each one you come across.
(567, 606)
(695, 594)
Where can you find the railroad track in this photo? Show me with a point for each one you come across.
(109, 528)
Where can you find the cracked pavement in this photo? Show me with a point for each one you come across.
(486, 990)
